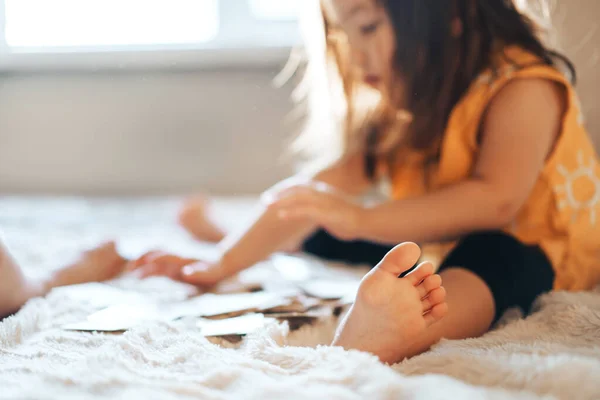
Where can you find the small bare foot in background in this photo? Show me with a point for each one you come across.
(391, 313)
(194, 218)
(98, 265)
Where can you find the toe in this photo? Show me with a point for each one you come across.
(436, 314)
(429, 284)
(420, 273)
(437, 296)
(400, 259)
(110, 245)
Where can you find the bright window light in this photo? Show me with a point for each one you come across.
(93, 23)
(276, 9)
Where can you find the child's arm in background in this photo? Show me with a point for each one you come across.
(517, 134)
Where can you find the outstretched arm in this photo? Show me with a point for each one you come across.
(265, 234)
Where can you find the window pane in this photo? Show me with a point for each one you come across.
(85, 23)
(276, 9)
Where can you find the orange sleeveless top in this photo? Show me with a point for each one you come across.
(562, 213)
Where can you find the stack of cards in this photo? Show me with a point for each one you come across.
(214, 305)
(99, 295)
(238, 326)
(117, 318)
(331, 290)
(289, 290)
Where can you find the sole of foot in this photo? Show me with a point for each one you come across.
(391, 313)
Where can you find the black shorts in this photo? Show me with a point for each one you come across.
(515, 273)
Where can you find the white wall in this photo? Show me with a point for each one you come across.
(578, 26)
(142, 132)
(158, 132)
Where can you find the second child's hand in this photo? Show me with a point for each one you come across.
(196, 272)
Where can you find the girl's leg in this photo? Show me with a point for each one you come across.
(485, 275)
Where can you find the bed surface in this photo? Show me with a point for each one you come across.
(555, 353)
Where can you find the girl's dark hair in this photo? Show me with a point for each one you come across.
(438, 67)
(434, 67)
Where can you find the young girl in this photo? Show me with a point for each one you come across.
(478, 130)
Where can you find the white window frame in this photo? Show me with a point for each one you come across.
(226, 50)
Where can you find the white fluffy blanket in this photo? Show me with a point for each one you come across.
(555, 353)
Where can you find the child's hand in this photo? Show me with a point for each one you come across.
(320, 203)
(195, 272)
(159, 263)
(203, 274)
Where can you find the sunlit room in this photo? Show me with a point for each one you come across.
(303, 199)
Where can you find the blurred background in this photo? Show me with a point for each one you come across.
(128, 97)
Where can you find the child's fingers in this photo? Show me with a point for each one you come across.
(302, 203)
(153, 270)
(303, 192)
(166, 260)
(143, 260)
(157, 269)
(148, 270)
(201, 274)
(292, 199)
(305, 195)
(283, 189)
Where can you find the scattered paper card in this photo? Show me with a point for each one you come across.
(330, 290)
(235, 286)
(321, 312)
(244, 325)
(249, 280)
(100, 295)
(299, 303)
(257, 275)
(117, 318)
(347, 300)
(294, 269)
(212, 305)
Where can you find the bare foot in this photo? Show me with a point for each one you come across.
(100, 264)
(194, 218)
(391, 313)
